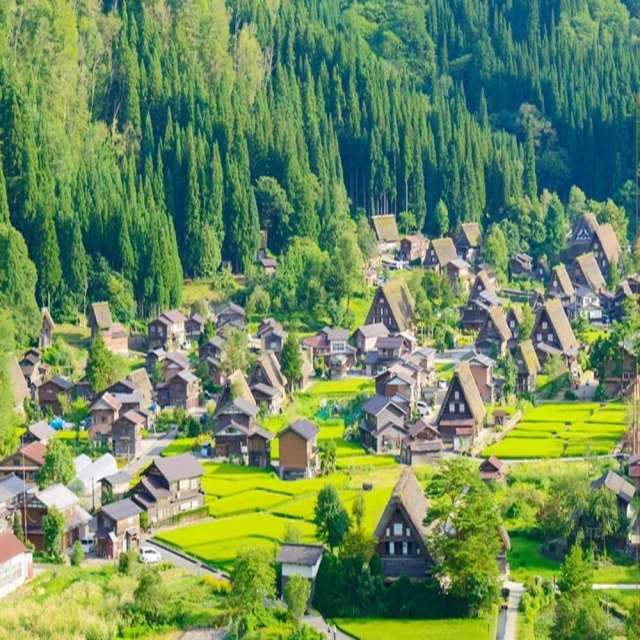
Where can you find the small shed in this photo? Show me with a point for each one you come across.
(300, 560)
(491, 469)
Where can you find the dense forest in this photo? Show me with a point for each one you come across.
(147, 140)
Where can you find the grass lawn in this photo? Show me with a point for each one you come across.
(178, 446)
(444, 370)
(251, 506)
(193, 290)
(617, 574)
(563, 429)
(73, 335)
(448, 629)
(526, 561)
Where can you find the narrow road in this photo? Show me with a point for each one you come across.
(516, 589)
(184, 561)
(332, 632)
(152, 447)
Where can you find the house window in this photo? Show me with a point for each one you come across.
(388, 532)
(550, 337)
(408, 532)
(545, 324)
(392, 548)
(405, 548)
(461, 407)
(397, 529)
(456, 395)
(539, 337)
(452, 407)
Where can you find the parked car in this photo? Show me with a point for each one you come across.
(423, 408)
(148, 555)
(87, 544)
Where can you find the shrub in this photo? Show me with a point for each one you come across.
(144, 521)
(77, 554)
(570, 395)
(126, 563)
(217, 585)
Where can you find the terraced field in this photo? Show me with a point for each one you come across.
(563, 430)
(251, 506)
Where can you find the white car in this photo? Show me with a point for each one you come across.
(148, 555)
(423, 408)
(87, 544)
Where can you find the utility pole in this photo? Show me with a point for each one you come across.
(24, 491)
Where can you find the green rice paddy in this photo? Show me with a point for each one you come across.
(559, 429)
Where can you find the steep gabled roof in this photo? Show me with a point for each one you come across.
(64, 384)
(102, 314)
(471, 233)
(560, 323)
(271, 368)
(18, 384)
(385, 228)
(400, 301)
(591, 271)
(530, 362)
(499, 320)
(564, 282)
(46, 318)
(608, 241)
(444, 249)
(469, 391)
(121, 509)
(407, 497)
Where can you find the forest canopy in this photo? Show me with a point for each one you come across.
(144, 141)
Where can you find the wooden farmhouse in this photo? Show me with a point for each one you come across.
(462, 412)
(299, 450)
(400, 533)
(393, 306)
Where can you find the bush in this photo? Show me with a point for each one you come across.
(570, 395)
(126, 562)
(77, 554)
(144, 521)
(217, 585)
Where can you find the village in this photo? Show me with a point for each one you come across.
(231, 426)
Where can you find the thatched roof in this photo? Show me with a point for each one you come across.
(606, 235)
(400, 302)
(18, 384)
(445, 250)
(46, 317)
(499, 320)
(271, 368)
(407, 497)
(588, 266)
(469, 391)
(385, 228)
(471, 232)
(527, 359)
(564, 282)
(101, 314)
(560, 323)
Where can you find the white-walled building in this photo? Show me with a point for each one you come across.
(16, 563)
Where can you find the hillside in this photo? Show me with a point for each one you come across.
(147, 141)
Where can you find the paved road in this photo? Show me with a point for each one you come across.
(516, 589)
(152, 447)
(622, 587)
(316, 621)
(184, 561)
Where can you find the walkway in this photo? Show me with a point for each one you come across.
(516, 589)
(332, 632)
